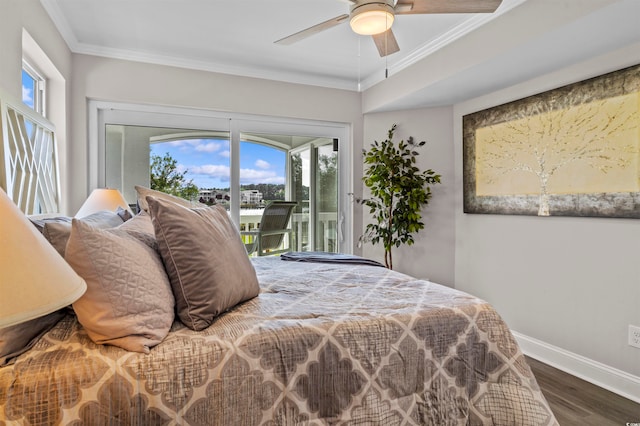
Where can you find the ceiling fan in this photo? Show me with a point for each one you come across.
(375, 18)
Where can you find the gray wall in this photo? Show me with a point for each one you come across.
(29, 14)
(570, 282)
(432, 255)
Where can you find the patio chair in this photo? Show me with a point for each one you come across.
(274, 225)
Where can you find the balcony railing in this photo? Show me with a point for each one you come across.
(326, 231)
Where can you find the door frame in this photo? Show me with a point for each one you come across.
(101, 113)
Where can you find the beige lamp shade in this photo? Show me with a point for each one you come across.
(34, 279)
(102, 199)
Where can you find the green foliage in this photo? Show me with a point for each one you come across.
(165, 177)
(399, 191)
(300, 191)
(326, 200)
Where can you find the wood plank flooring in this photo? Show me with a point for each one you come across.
(577, 402)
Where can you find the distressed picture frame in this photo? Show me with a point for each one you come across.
(570, 151)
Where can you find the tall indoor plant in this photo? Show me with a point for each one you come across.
(399, 191)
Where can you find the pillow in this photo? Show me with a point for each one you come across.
(103, 219)
(19, 338)
(205, 259)
(140, 226)
(124, 214)
(128, 302)
(40, 222)
(143, 193)
(57, 232)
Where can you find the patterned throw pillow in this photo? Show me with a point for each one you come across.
(128, 302)
(19, 338)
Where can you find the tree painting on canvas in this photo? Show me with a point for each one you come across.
(570, 151)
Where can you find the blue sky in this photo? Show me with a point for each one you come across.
(207, 161)
(27, 93)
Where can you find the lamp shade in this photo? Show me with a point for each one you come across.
(102, 199)
(34, 279)
(370, 19)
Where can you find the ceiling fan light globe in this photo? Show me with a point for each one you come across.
(371, 20)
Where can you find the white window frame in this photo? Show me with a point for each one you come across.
(40, 89)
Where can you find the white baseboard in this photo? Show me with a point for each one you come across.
(612, 379)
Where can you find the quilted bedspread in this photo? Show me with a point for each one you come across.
(321, 344)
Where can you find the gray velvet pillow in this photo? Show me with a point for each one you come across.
(143, 193)
(124, 214)
(128, 302)
(205, 259)
(19, 338)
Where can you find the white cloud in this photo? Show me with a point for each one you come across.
(260, 176)
(275, 180)
(261, 164)
(211, 170)
(225, 154)
(246, 175)
(256, 174)
(208, 147)
(26, 95)
(198, 145)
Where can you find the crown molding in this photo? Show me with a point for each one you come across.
(469, 25)
(457, 32)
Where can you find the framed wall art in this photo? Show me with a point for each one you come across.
(570, 151)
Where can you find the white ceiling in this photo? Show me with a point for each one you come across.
(237, 37)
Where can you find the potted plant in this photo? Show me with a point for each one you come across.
(399, 191)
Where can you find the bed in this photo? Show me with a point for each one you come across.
(178, 326)
(323, 343)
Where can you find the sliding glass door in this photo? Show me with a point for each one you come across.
(314, 185)
(242, 164)
(192, 164)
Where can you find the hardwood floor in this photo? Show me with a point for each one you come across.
(577, 402)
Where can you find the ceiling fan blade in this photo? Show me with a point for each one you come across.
(293, 38)
(410, 7)
(386, 43)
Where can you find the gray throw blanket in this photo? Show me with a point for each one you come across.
(325, 257)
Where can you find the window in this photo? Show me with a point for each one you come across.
(33, 88)
(31, 143)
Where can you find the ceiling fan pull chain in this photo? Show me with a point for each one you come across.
(386, 54)
(359, 65)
